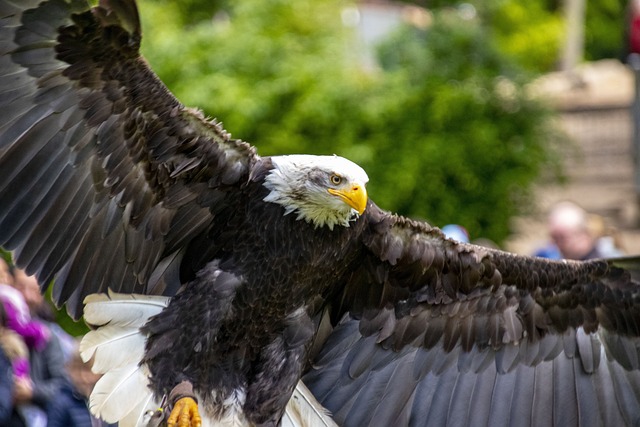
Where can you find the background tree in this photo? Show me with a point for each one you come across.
(444, 128)
(606, 29)
(533, 31)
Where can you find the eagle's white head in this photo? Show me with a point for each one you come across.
(323, 190)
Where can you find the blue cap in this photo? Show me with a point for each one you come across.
(456, 232)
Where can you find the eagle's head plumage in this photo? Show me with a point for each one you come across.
(322, 190)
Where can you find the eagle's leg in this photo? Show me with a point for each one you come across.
(185, 407)
(277, 371)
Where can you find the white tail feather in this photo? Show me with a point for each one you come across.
(119, 392)
(117, 347)
(122, 309)
(303, 410)
(139, 416)
(122, 394)
(106, 346)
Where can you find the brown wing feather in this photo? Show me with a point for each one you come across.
(439, 318)
(126, 174)
(484, 297)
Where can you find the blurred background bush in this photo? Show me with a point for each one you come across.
(442, 123)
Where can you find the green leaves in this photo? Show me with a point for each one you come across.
(444, 127)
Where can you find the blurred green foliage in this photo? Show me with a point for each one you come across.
(533, 31)
(74, 328)
(472, 142)
(444, 127)
(528, 31)
(605, 29)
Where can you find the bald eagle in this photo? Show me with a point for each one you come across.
(231, 288)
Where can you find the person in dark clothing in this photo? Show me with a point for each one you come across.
(6, 389)
(571, 229)
(47, 373)
(46, 364)
(69, 409)
(9, 416)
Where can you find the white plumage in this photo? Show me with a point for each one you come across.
(117, 347)
(119, 392)
(122, 309)
(304, 410)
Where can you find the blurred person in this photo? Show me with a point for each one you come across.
(70, 409)
(571, 234)
(17, 311)
(608, 239)
(45, 313)
(29, 288)
(6, 392)
(548, 250)
(9, 296)
(18, 335)
(6, 273)
(632, 30)
(14, 348)
(456, 232)
(41, 310)
(47, 363)
(14, 377)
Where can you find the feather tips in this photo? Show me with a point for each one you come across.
(119, 392)
(117, 347)
(111, 340)
(569, 378)
(123, 309)
(303, 410)
(83, 112)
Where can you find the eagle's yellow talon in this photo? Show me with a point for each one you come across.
(185, 414)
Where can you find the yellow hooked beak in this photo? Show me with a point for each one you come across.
(355, 196)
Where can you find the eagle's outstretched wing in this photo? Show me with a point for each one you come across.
(120, 163)
(429, 331)
(95, 153)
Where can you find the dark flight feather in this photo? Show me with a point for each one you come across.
(107, 181)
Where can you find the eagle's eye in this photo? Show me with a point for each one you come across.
(335, 179)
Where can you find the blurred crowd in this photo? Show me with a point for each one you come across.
(43, 380)
(573, 233)
(577, 234)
